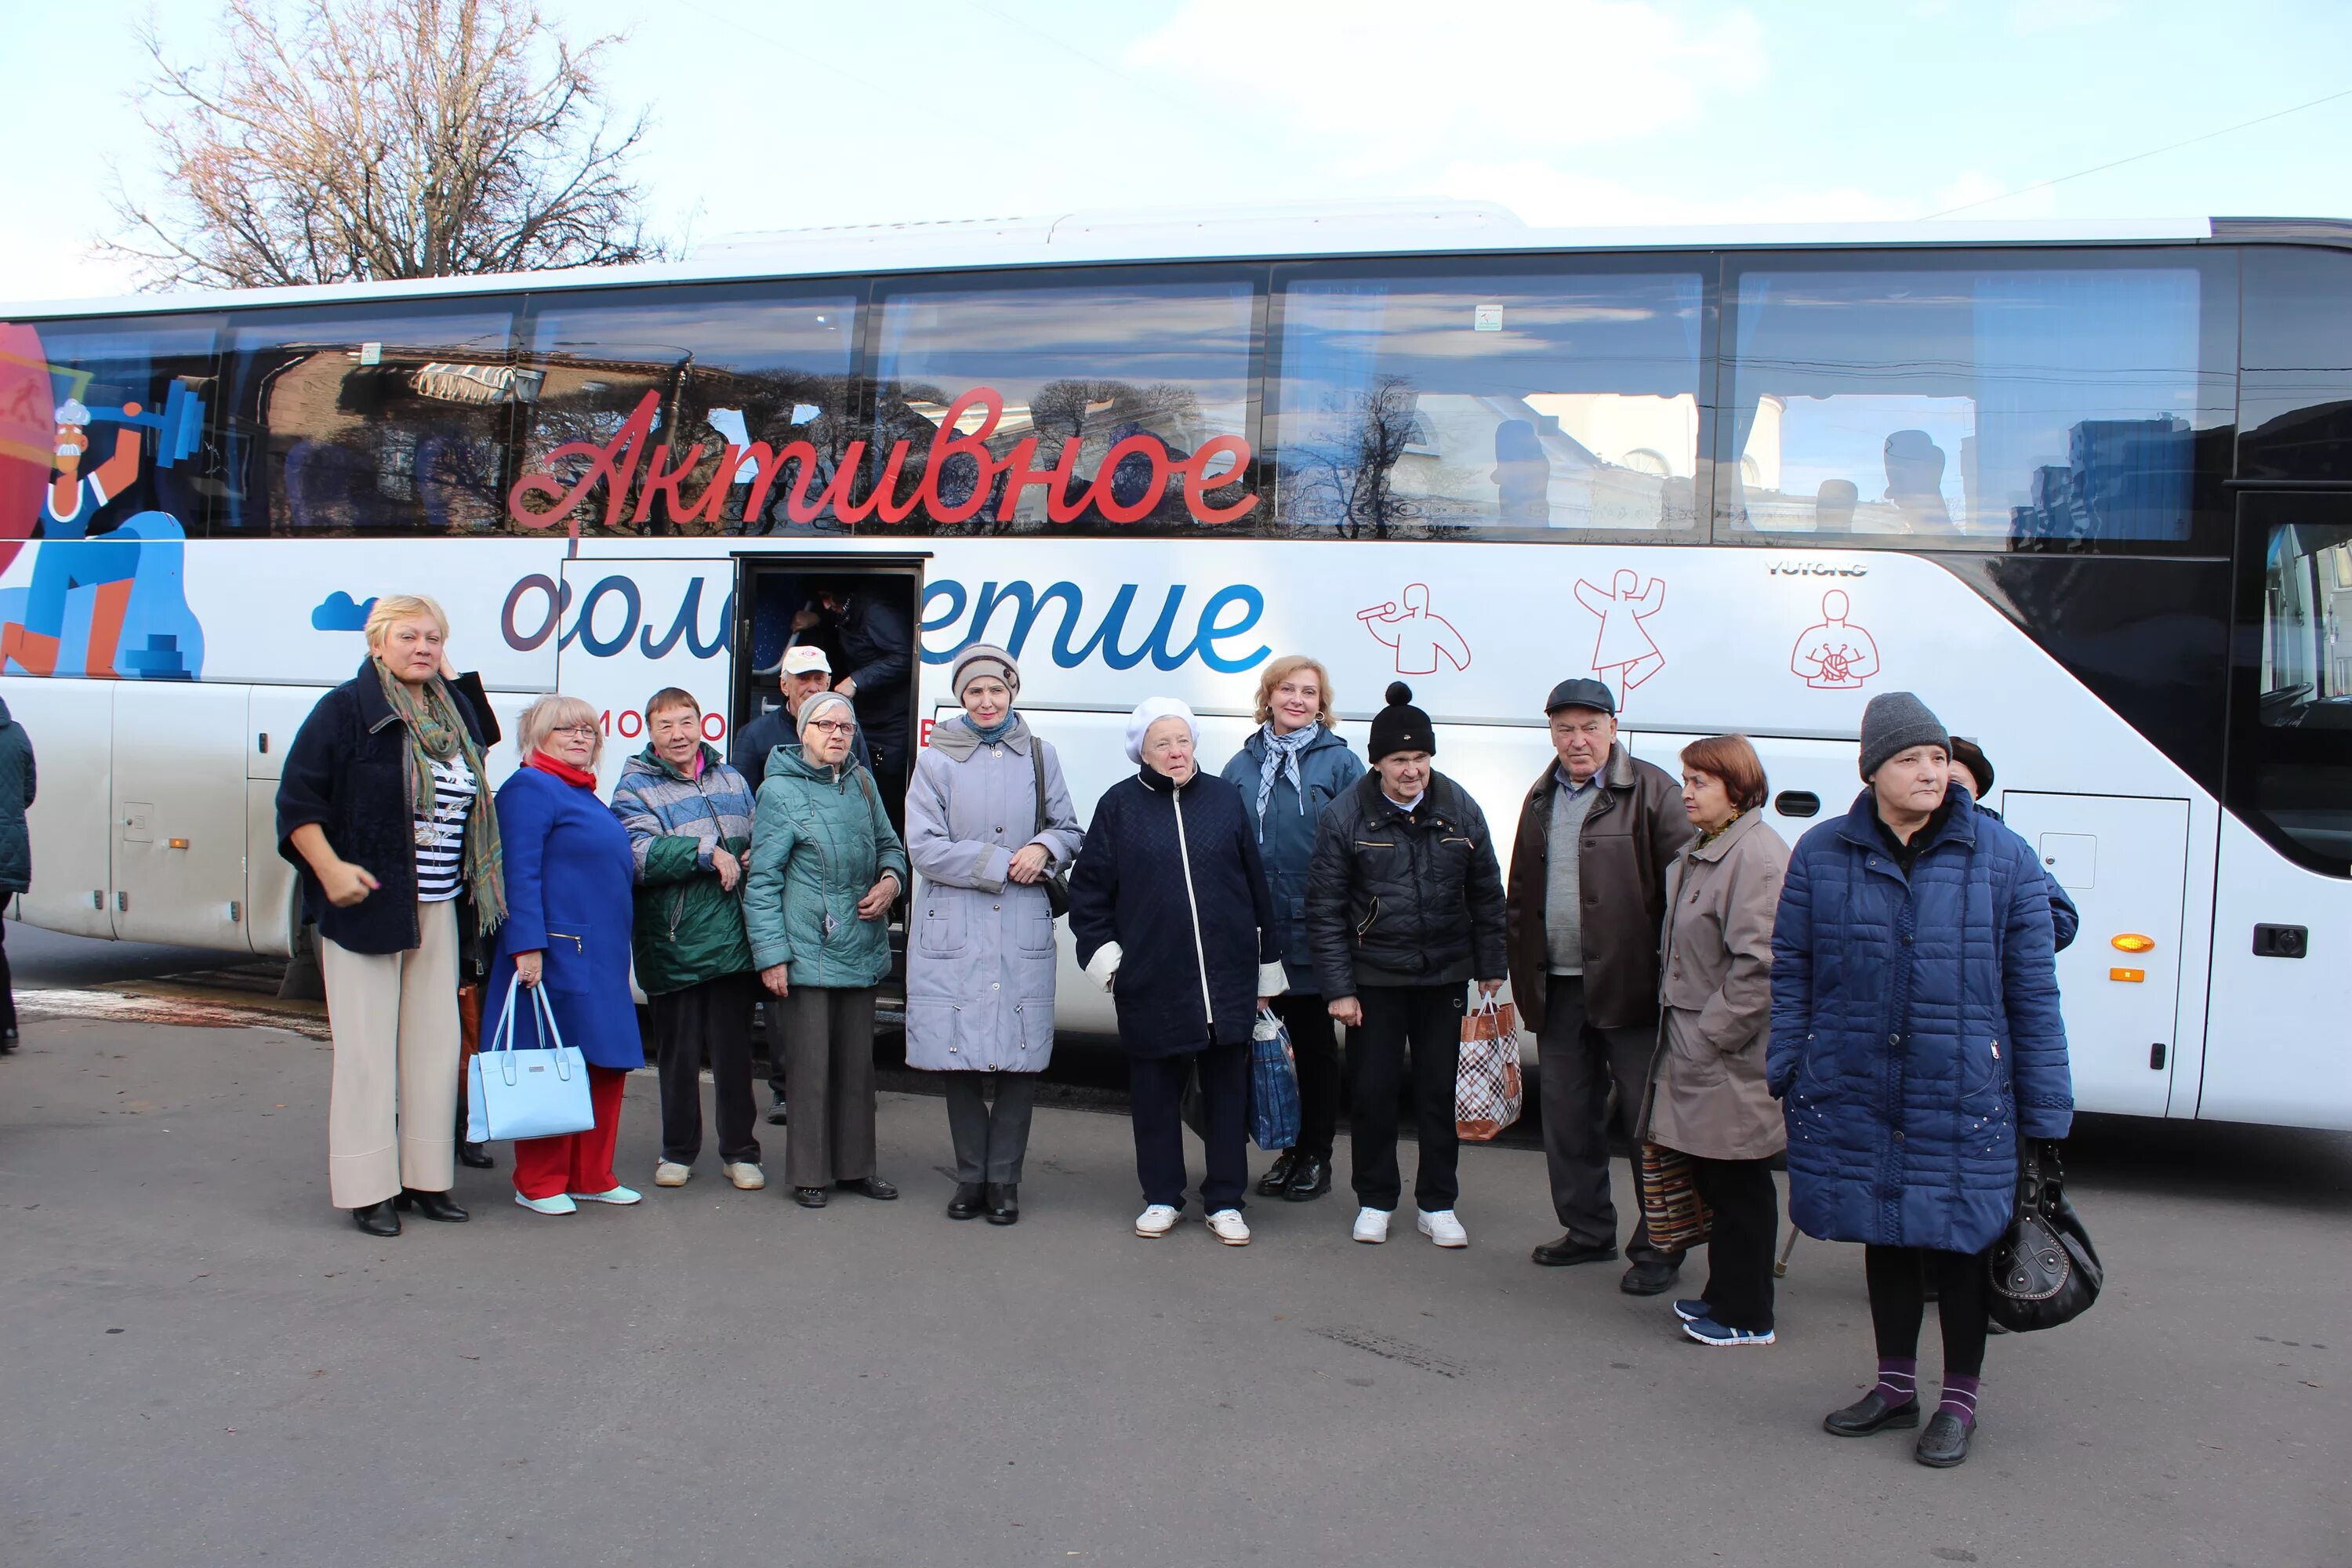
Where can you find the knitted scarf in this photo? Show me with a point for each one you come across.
(435, 733)
(1282, 759)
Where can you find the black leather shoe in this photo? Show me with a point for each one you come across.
(965, 1205)
(475, 1157)
(1568, 1250)
(776, 1113)
(1310, 1178)
(1870, 1413)
(1276, 1179)
(377, 1219)
(430, 1205)
(1650, 1277)
(810, 1197)
(1944, 1442)
(870, 1186)
(7, 1041)
(1004, 1202)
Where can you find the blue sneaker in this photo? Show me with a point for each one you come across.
(1690, 1309)
(1708, 1332)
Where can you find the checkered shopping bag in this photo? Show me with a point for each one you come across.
(1486, 1088)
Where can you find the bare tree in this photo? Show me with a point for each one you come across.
(378, 139)
(1347, 476)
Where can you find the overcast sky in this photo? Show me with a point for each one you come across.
(785, 113)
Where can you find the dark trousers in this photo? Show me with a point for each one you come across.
(714, 1016)
(987, 1117)
(8, 994)
(1898, 1278)
(829, 1063)
(1740, 1250)
(1426, 1020)
(1156, 1097)
(1315, 1047)
(1577, 1065)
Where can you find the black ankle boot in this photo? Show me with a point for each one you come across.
(377, 1219)
(965, 1205)
(431, 1206)
(1004, 1202)
(475, 1157)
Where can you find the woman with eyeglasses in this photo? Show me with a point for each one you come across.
(570, 898)
(825, 866)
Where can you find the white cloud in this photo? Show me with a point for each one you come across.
(1405, 79)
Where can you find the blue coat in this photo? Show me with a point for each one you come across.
(570, 872)
(1285, 836)
(1130, 889)
(1915, 1029)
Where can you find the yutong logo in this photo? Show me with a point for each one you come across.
(616, 463)
(1813, 569)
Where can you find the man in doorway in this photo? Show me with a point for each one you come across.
(1586, 900)
(802, 673)
(877, 643)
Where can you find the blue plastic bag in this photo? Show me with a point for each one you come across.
(1273, 1085)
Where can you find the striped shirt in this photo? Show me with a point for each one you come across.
(441, 836)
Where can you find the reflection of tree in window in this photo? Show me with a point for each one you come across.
(1347, 479)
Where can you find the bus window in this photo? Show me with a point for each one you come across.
(2298, 779)
(391, 418)
(142, 389)
(1992, 407)
(1153, 366)
(2294, 394)
(726, 366)
(1486, 400)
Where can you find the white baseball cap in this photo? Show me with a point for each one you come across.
(804, 660)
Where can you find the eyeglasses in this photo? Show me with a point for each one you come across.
(832, 726)
(585, 731)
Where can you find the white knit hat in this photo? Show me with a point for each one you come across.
(1150, 712)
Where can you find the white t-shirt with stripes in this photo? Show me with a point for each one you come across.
(441, 835)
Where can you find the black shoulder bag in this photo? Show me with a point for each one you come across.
(2044, 1271)
(1056, 882)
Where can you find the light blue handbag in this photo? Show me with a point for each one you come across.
(537, 1093)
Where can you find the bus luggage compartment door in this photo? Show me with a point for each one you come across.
(631, 627)
(179, 802)
(2124, 862)
(71, 723)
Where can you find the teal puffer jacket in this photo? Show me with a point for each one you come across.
(818, 843)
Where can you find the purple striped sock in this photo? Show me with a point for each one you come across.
(1959, 1399)
(1898, 1380)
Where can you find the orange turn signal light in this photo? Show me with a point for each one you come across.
(2134, 975)
(2132, 941)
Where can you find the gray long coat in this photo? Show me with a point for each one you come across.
(980, 955)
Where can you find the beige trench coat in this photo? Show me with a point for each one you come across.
(1707, 1087)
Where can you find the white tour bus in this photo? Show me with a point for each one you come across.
(2088, 494)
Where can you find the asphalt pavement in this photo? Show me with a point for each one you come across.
(205, 1363)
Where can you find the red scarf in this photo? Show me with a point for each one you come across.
(560, 769)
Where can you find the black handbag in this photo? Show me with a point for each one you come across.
(2043, 1271)
(1056, 883)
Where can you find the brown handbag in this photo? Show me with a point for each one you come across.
(1677, 1218)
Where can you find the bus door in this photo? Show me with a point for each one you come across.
(2279, 1051)
(179, 800)
(630, 626)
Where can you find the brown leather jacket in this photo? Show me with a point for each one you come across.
(1631, 836)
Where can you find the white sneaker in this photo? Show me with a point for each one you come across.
(670, 1174)
(1373, 1226)
(1155, 1222)
(1441, 1227)
(747, 1177)
(1228, 1227)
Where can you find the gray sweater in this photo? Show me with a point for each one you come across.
(1563, 885)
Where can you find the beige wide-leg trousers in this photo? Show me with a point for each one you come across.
(393, 1102)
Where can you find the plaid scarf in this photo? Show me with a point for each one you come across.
(435, 733)
(1281, 760)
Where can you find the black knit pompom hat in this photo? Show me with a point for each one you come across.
(1400, 726)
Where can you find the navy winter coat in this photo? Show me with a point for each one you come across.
(16, 787)
(1130, 889)
(1285, 837)
(349, 772)
(1915, 1029)
(571, 895)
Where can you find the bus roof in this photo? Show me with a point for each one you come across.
(1231, 233)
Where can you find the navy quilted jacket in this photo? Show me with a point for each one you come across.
(1915, 1031)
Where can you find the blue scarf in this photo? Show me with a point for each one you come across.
(1282, 760)
(992, 734)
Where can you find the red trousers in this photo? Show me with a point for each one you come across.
(575, 1162)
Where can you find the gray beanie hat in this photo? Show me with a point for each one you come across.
(983, 658)
(1896, 722)
(824, 701)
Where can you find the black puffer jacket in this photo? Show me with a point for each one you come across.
(1395, 899)
(16, 790)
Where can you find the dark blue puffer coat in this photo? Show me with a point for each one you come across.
(1915, 1029)
(1285, 834)
(1130, 887)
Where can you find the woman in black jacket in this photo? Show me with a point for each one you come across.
(384, 808)
(1168, 864)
